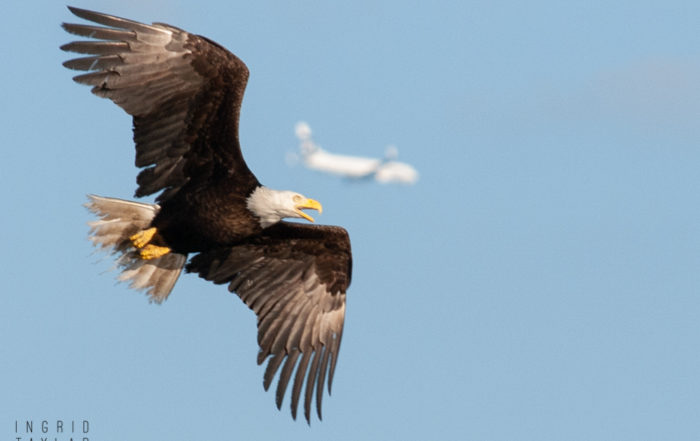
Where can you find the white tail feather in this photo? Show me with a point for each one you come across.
(118, 221)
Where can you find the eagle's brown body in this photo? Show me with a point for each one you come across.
(194, 221)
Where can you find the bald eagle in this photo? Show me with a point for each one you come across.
(184, 93)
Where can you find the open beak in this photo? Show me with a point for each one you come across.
(309, 204)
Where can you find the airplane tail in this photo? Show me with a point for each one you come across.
(117, 221)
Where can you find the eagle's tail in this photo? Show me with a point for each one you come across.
(118, 221)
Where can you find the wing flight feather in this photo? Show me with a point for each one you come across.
(294, 277)
(183, 91)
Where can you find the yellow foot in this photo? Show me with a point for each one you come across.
(153, 252)
(142, 238)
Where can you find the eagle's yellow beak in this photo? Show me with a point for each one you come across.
(309, 204)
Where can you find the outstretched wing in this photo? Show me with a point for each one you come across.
(294, 277)
(183, 91)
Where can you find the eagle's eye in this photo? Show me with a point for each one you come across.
(297, 199)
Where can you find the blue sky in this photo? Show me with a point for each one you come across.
(540, 282)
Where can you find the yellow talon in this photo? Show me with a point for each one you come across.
(153, 252)
(142, 238)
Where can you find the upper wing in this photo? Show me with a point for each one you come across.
(294, 277)
(183, 91)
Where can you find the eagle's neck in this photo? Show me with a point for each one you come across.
(264, 203)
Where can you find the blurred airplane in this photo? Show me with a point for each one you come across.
(384, 170)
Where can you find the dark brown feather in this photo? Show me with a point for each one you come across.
(294, 276)
(184, 92)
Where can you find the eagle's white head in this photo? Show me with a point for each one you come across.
(271, 206)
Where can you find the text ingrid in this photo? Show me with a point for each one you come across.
(46, 430)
